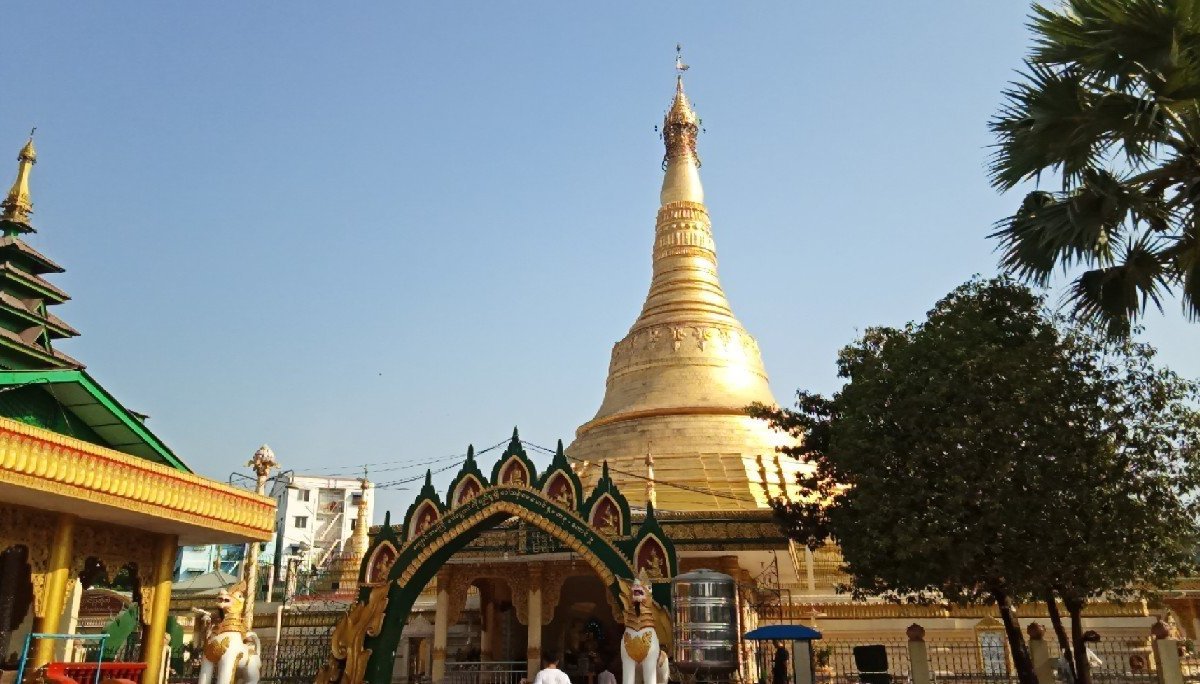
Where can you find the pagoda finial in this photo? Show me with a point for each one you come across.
(17, 206)
(680, 160)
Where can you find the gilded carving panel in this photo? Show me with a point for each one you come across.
(33, 529)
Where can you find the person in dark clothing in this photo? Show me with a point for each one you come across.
(779, 670)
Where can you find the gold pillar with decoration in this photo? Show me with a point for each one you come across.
(62, 551)
(533, 652)
(487, 615)
(441, 627)
(156, 631)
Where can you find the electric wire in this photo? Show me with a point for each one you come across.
(644, 478)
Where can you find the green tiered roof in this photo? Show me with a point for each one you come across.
(40, 385)
(27, 328)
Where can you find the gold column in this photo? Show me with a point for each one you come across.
(156, 631)
(493, 631)
(62, 550)
(441, 627)
(487, 611)
(534, 629)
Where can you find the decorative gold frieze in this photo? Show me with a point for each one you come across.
(45, 461)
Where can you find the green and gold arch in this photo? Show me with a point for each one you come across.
(401, 560)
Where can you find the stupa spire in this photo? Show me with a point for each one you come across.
(686, 371)
(681, 183)
(16, 207)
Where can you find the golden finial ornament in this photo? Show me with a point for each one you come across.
(680, 125)
(17, 206)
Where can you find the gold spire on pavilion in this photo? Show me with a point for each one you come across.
(17, 206)
(684, 375)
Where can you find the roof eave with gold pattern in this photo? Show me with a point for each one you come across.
(43, 469)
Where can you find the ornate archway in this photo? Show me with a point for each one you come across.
(398, 565)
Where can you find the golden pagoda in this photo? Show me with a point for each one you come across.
(681, 379)
(342, 580)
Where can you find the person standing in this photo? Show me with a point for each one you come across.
(551, 674)
(779, 670)
(606, 677)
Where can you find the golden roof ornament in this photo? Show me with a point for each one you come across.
(17, 206)
(681, 124)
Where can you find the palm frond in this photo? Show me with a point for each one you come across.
(1118, 41)
(1185, 254)
(1115, 296)
(1077, 227)
(1043, 124)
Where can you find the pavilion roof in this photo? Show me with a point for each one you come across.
(88, 412)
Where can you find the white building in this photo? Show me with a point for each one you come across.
(316, 518)
(193, 561)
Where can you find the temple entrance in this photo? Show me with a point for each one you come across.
(16, 599)
(527, 541)
(584, 631)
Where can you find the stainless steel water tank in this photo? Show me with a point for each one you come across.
(706, 631)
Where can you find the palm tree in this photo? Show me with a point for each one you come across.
(1109, 102)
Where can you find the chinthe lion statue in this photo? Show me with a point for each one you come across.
(647, 637)
(231, 653)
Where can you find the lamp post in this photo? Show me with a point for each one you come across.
(262, 463)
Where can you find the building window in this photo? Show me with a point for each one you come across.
(302, 495)
(301, 521)
(353, 523)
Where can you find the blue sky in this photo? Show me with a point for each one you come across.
(367, 232)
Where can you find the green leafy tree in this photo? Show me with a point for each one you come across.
(960, 449)
(1120, 512)
(1109, 104)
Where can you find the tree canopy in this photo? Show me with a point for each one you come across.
(1108, 106)
(995, 453)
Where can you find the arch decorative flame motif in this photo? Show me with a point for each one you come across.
(515, 474)
(560, 491)
(424, 519)
(651, 558)
(606, 515)
(468, 489)
(382, 559)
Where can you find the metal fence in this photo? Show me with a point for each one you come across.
(485, 672)
(836, 663)
(296, 661)
(983, 661)
(296, 658)
(1122, 660)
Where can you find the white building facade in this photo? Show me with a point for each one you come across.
(316, 519)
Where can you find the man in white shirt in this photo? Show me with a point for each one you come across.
(551, 674)
(606, 677)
